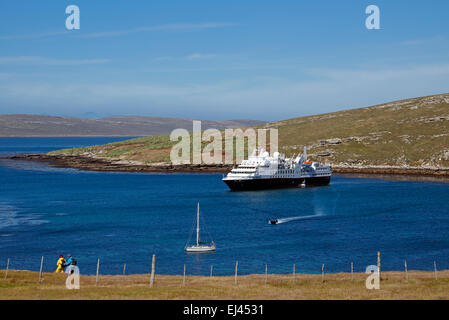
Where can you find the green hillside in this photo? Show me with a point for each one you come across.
(412, 132)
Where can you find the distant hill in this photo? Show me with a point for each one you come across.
(407, 133)
(25, 125)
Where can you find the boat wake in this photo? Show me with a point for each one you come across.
(285, 220)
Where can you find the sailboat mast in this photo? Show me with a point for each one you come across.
(198, 225)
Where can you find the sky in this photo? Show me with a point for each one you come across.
(261, 60)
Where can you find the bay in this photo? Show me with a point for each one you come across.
(127, 217)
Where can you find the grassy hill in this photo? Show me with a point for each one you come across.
(412, 132)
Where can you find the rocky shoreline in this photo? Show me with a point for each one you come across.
(90, 163)
(391, 170)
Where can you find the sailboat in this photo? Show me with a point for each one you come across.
(200, 246)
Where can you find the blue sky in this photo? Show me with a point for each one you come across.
(267, 60)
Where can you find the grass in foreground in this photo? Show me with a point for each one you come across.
(421, 285)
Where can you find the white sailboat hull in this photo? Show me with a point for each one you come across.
(200, 248)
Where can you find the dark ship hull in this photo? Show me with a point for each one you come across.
(275, 183)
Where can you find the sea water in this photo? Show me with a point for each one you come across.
(127, 217)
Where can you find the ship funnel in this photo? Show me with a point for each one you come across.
(304, 155)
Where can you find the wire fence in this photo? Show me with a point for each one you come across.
(233, 270)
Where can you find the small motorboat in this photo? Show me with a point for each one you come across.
(273, 221)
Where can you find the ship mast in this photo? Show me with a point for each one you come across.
(198, 225)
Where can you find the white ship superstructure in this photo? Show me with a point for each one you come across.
(262, 171)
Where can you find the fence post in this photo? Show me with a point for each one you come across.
(184, 277)
(322, 273)
(352, 271)
(6, 271)
(378, 264)
(435, 269)
(266, 273)
(406, 271)
(98, 269)
(40, 270)
(236, 267)
(294, 272)
(153, 263)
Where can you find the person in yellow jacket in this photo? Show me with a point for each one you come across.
(60, 264)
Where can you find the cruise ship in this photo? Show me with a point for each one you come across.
(262, 171)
